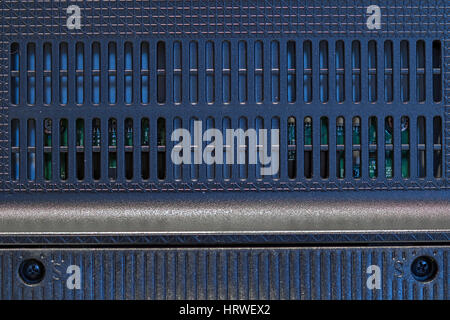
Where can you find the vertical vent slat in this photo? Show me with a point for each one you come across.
(95, 73)
(420, 71)
(404, 70)
(437, 71)
(210, 69)
(31, 143)
(47, 73)
(177, 72)
(372, 70)
(291, 72)
(259, 71)
(112, 73)
(226, 72)
(145, 78)
(161, 71)
(80, 67)
(15, 144)
(323, 71)
(437, 147)
(388, 71)
(405, 147)
(15, 68)
(31, 79)
(243, 70)
(356, 142)
(356, 71)
(340, 71)
(292, 147)
(275, 70)
(307, 71)
(193, 72)
(63, 76)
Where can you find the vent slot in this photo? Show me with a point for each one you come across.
(161, 71)
(340, 148)
(80, 134)
(292, 147)
(80, 72)
(388, 71)
(226, 72)
(128, 73)
(63, 73)
(421, 146)
(178, 168)
(307, 71)
(145, 79)
(324, 154)
(372, 76)
(31, 152)
(389, 146)
(177, 73)
(324, 71)
(243, 70)
(196, 143)
(129, 133)
(259, 72)
(193, 72)
(275, 70)
(437, 71)
(356, 144)
(210, 72)
(356, 71)
(96, 73)
(405, 136)
(31, 68)
(15, 148)
(15, 68)
(227, 167)
(340, 71)
(48, 137)
(96, 148)
(112, 73)
(291, 72)
(47, 73)
(112, 149)
(373, 146)
(145, 148)
(437, 147)
(161, 131)
(420, 71)
(308, 144)
(275, 146)
(210, 154)
(404, 71)
(63, 150)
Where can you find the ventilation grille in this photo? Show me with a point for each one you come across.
(347, 111)
(126, 73)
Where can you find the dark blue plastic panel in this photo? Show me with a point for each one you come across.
(229, 64)
(277, 273)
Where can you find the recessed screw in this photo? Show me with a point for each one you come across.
(31, 271)
(424, 268)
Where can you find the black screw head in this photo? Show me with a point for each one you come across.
(31, 271)
(424, 268)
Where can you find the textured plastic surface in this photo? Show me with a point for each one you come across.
(227, 273)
